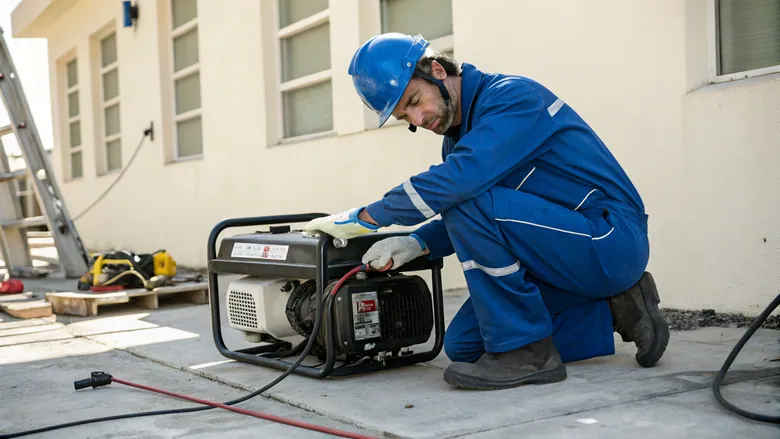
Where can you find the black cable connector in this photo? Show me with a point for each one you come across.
(98, 379)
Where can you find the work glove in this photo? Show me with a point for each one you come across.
(341, 225)
(401, 249)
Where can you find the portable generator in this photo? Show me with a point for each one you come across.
(294, 286)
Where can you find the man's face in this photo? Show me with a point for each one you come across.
(423, 105)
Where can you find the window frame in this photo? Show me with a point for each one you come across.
(67, 120)
(714, 50)
(309, 80)
(103, 104)
(174, 76)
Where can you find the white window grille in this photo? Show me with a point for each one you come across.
(109, 93)
(305, 70)
(188, 136)
(73, 121)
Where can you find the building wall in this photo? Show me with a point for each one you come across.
(703, 155)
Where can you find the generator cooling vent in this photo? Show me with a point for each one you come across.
(405, 315)
(242, 309)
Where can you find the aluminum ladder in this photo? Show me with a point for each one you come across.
(73, 257)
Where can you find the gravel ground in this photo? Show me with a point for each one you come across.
(680, 320)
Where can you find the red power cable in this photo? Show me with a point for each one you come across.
(347, 276)
(364, 267)
(262, 415)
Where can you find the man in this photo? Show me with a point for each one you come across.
(550, 232)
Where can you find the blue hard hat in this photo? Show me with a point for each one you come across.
(382, 67)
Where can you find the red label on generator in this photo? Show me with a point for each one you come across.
(366, 306)
(365, 315)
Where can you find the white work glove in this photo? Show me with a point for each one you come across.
(401, 249)
(341, 225)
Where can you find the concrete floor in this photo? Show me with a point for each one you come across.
(172, 347)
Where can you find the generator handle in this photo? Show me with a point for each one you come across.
(255, 221)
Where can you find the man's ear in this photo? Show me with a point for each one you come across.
(437, 70)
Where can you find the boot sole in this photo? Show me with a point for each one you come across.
(547, 376)
(661, 338)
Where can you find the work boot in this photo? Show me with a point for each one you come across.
(637, 318)
(536, 363)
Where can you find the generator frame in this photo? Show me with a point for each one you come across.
(323, 273)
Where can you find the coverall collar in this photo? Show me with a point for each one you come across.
(470, 79)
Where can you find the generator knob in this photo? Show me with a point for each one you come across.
(339, 242)
(279, 229)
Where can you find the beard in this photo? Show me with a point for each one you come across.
(445, 117)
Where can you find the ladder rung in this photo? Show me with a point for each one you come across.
(24, 222)
(5, 176)
(8, 129)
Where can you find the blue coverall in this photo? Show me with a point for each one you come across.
(545, 222)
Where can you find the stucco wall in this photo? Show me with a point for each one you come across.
(704, 157)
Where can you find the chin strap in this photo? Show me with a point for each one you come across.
(435, 81)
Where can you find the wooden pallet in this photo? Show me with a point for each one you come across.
(86, 304)
(24, 306)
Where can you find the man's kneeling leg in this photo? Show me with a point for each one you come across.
(514, 323)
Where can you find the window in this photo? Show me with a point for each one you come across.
(109, 98)
(430, 18)
(304, 44)
(73, 119)
(186, 79)
(747, 37)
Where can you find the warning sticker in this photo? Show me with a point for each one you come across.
(365, 315)
(259, 251)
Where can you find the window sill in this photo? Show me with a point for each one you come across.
(189, 158)
(747, 74)
(107, 173)
(749, 81)
(305, 138)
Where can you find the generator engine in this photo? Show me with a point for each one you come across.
(372, 315)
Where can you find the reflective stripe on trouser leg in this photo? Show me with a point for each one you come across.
(510, 310)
